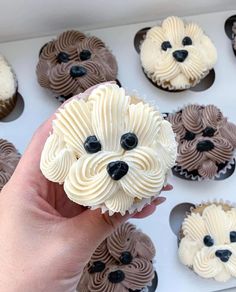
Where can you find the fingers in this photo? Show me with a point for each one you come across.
(168, 187)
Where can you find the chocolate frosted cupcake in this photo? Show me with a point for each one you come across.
(177, 55)
(122, 263)
(208, 241)
(9, 158)
(8, 88)
(74, 62)
(206, 141)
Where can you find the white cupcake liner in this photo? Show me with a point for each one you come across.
(186, 175)
(172, 88)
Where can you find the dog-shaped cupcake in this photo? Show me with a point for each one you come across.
(74, 62)
(208, 242)
(110, 151)
(176, 55)
(206, 139)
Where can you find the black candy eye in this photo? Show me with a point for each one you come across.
(233, 236)
(208, 132)
(92, 145)
(63, 57)
(85, 55)
(77, 71)
(126, 258)
(166, 45)
(189, 136)
(187, 41)
(116, 276)
(208, 240)
(129, 141)
(97, 267)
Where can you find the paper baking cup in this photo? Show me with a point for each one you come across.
(136, 207)
(6, 106)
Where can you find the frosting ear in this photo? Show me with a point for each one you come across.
(174, 29)
(228, 131)
(69, 38)
(56, 159)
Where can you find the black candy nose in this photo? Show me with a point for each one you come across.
(77, 71)
(223, 254)
(117, 169)
(205, 145)
(180, 55)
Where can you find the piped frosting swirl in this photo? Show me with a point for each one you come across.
(105, 117)
(130, 265)
(9, 158)
(74, 62)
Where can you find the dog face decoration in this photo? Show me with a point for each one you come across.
(108, 150)
(205, 138)
(208, 245)
(74, 62)
(176, 55)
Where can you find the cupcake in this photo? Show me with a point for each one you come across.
(177, 55)
(74, 62)
(9, 158)
(206, 141)
(122, 263)
(208, 241)
(110, 150)
(8, 88)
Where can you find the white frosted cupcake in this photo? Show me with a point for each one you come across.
(110, 150)
(8, 88)
(208, 241)
(177, 55)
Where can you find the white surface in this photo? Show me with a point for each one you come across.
(29, 18)
(38, 106)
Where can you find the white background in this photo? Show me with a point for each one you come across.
(39, 103)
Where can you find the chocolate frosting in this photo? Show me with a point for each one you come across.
(206, 139)
(79, 50)
(117, 276)
(9, 159)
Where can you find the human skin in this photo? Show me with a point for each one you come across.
(46, 239)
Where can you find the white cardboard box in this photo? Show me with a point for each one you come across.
(40, 104)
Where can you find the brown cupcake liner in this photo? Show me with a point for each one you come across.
(6, 106)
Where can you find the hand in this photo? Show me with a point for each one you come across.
(46, 239)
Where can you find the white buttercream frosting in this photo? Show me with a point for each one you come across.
(161, 66)
(108, 113)
(217, 223)
(7, 80)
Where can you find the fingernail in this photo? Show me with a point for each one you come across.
(159, 200)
